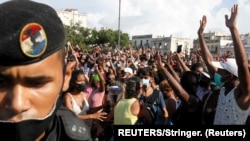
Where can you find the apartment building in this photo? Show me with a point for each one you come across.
(71, 17)
(162, 43)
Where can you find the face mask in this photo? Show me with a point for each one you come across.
(24, 130)
(80, 87)
(198, 77)
(145, 82)
(217, 80)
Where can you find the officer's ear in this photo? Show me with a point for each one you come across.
(68, 71)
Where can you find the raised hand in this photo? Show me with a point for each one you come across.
(159, 62)
(203, 23)
(232, 21)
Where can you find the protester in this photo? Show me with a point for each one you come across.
(171, 100)
(76, 99)
(96, 89)
(153, 99)
(234, 99)
(34, 75)
(127, 110)
(128, 73)
(190, 110)
(232, 75)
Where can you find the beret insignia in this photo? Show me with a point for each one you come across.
(33, 40)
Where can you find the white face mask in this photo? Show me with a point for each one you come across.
(145, 82)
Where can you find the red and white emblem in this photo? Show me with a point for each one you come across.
(33, 40)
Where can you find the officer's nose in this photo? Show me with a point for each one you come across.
(18, 99)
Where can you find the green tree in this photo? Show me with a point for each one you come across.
(85, 37)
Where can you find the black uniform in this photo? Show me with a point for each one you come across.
(67, 127)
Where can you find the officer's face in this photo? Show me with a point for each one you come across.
(30, 91)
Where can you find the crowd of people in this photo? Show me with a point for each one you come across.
(146, 87)
(68, 93)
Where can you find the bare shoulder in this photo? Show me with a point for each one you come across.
(135, 107)
(67, 95)
(136, 103)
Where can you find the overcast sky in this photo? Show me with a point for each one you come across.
(179, 18)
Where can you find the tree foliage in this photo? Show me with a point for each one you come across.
(86, 37)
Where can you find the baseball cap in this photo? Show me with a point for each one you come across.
(228, 64)
(205, 74)
(30, 32)
(129, 70)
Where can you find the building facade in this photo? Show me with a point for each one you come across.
(218, 44)
(71, 17)
(161, 43)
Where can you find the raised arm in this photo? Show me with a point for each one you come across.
(182, 64)
(102, 81)
(188, 99)
(240, 53)
(206, 55)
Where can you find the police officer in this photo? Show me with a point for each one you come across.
(33, 75)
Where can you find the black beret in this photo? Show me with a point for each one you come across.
(29, 32)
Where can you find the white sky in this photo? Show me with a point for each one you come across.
(179, 18)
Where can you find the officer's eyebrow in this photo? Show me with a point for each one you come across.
(35, 78)
(38, 78)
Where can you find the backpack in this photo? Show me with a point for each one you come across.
(148, 112)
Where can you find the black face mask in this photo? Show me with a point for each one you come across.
(80, 87)
(198, 78)
(204, 82)
(28, 130)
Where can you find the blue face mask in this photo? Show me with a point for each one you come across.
(217, 80)
(145, 82)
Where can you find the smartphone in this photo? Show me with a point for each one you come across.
(179, 48)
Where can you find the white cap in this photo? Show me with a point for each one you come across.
(206, 74)
(129, 70)
(228, 64)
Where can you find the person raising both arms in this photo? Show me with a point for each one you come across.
(234, 80)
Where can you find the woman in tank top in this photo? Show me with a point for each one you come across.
(77, 100)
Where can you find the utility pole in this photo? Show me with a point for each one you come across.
(119, 34)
